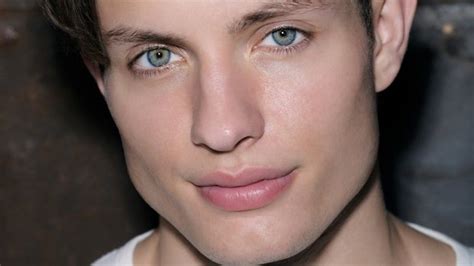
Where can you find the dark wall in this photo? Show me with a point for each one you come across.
(427, 124)
(65, 197)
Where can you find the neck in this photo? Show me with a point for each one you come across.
(363, 234)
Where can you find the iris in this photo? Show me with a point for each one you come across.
(158, 57)
(284, 37)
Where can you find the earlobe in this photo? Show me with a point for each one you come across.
(96, 73)
(392, 24)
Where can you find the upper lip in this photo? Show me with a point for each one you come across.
(244, 177)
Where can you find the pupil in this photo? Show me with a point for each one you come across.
(283, 33)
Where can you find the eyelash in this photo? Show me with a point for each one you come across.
(279, 50)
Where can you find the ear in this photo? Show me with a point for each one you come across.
(96, 73)
(392, 24)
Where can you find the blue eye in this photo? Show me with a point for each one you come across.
(156, 58)
(283, 37)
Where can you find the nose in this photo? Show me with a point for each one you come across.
(226, 110)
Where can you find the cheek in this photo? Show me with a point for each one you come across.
(153, 122)
(149, 116)
(322, 107)
(321, 95)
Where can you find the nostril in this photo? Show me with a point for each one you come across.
(219, 149)
(217, 138)
(244, 141)
(218, 141)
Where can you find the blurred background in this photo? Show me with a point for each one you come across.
(65, 197)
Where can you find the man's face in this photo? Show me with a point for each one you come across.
(211, 97)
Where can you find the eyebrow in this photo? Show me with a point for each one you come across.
(123, 34)
(270, 10)
(273, 10)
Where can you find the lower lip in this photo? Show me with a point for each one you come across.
(250, 197)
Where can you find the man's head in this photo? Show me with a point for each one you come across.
(248, 125)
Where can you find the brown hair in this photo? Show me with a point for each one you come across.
(78, 18)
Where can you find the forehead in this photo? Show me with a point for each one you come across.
(228, 13)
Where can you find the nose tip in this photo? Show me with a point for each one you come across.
(226, 130)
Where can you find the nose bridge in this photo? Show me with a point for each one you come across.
(226, 108)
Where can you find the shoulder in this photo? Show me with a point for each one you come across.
(464, 254)
(122, 255)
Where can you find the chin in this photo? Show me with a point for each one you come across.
(267, 242)
(257, 254)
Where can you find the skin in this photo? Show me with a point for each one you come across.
(232, 100)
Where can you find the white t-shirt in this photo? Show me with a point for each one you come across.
(123, 256)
